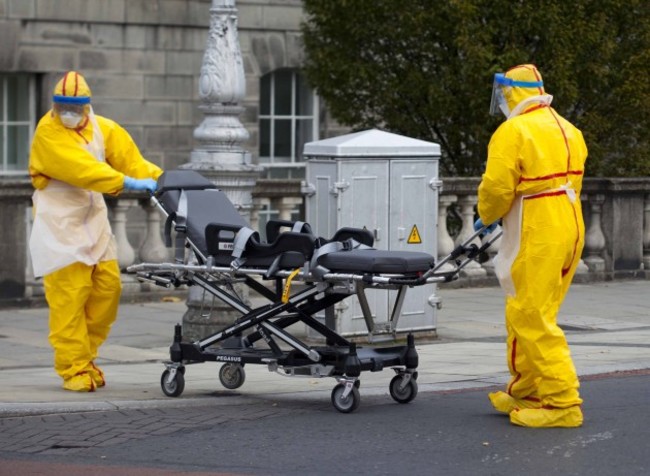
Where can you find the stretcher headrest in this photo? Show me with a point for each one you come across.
(362, 235)
(295, 248)
(192, 210)
(182, 180)
(274, 228)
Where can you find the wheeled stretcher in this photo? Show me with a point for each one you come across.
(215, 248)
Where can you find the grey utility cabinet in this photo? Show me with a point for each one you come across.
(389, 184)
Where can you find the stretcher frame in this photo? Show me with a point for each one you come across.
(236, 345)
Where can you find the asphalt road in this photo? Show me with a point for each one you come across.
(448, 433)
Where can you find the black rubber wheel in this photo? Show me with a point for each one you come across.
(232, 376)
(348, 404)
(176, 386)
(406, 394)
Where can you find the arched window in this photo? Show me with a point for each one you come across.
(288, 118)
(17, 121)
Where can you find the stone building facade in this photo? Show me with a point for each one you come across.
(142, 60)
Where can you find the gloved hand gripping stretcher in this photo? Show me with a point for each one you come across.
(223, 250)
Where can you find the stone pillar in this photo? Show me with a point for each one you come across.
(258, 204)
(219, 155)
(492, 251)
(286, 206)
(594, 236)
(445, 241)
(467, 204)
(125, 252)
(153, 248)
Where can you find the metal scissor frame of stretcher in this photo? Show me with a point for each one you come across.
(224, 251)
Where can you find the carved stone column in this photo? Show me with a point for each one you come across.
(445, 241)
(286, 205)
(492, 251)
(153, 248)
(125, 252)
(467, 204)
(258, 205)
(219, 155)
(594, 236)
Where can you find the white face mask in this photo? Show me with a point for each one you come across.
(70, 119)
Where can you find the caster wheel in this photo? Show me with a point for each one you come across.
(403, 395)
(348, 404)
(176, 386)
(232, 376)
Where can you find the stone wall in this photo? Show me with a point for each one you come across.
(142, 59)
(617, 223)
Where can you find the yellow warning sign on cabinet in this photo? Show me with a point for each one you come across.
(414, 237)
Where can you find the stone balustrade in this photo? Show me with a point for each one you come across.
(617, 225)
(616, 211)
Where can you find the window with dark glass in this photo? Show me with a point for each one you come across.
(288, 119)
(17, 121)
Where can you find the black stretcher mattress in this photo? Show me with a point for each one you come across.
(377, 261)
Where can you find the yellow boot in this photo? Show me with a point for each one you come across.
(96, 374)
(82, 382)
(506, 403)
(548, 417)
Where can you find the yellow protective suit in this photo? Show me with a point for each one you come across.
(533, 179)
(71, 242)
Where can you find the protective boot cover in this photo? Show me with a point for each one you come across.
(548, 417)
(504, 403)
(96, 374)
(81, 382)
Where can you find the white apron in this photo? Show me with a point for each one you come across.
(511, 238)
(70, 223)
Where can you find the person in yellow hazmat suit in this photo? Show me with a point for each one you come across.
(532, 183)
(76, 156)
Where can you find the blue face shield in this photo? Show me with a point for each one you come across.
(498, 103)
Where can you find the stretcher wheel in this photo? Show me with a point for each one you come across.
(232, 376)
(176, 386)
(348, 404)
(403, 395)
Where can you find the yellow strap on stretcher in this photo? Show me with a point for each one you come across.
(287, 286)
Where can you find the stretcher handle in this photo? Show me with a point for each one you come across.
(468, 249)
(478, 253)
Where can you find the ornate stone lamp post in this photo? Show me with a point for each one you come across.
(218, 154)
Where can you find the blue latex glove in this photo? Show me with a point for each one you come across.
(478, 224)
(140, 184)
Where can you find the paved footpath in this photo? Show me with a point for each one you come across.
(607, 325)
